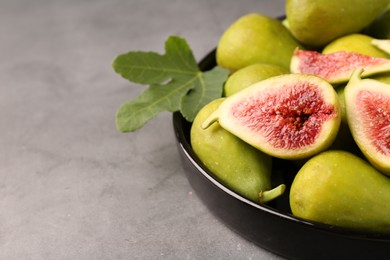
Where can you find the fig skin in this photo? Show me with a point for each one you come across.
(251, 74)
(291, 116)
(255, 38)
(314, 23)
(383, 45)
(356, 42)
(341, 189)
(236, 164)
(367, 104)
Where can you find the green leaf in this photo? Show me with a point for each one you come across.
(207, 87)
(175, 84)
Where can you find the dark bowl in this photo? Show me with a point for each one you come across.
(272, 226)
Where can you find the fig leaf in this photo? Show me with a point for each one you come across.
(175, 84)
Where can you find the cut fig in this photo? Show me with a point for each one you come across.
(336, 67)
(367, 104)
(292, 116)
(382, 44)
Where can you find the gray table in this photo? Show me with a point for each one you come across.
(71, 185)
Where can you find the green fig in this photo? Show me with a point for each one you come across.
(291, 116)
(383, 45)
(355, 42)
(255, 38)
(341, 189)
(249, 75)
(316, 23)
(236, 164)
(367, 104)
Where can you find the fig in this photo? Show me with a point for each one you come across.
(248, 75)
(356, 42)
(367, 104)
(255, 38)
(291, 116)
(236, 164)
(341, 189)
(315, 23)
(336, 67)
(383, 45)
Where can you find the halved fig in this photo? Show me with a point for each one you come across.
(336, 67)
(382, 44)
(367, 104)
(292, 116)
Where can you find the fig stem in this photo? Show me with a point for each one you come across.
(356, 75)
(268, 195)
(213, 117)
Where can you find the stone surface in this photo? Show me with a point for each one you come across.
(72, 186)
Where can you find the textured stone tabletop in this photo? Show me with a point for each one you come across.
(71, 185)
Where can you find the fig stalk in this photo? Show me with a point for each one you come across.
(268, 195)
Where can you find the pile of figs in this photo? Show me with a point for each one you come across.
(312, 89)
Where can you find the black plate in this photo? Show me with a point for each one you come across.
(272, 226)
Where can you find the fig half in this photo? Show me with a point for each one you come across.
(367, 104)
(291, 116)
(336, 67)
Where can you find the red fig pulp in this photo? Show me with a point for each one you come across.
(368, 114)
(336, 67)
(290, 116)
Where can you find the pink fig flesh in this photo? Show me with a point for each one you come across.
(290, 116)
(377, 118)
(336, 67)
(368, 114)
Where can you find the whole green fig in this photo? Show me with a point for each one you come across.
(255, 38)
(236, 164)
(249, 75)
(341, 189)
(315, 23)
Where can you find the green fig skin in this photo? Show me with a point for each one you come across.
(255, 38)
(315, 23)
(249, 75)
(341, 189)
(239, 166)
(355, 42)
(383, 45)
